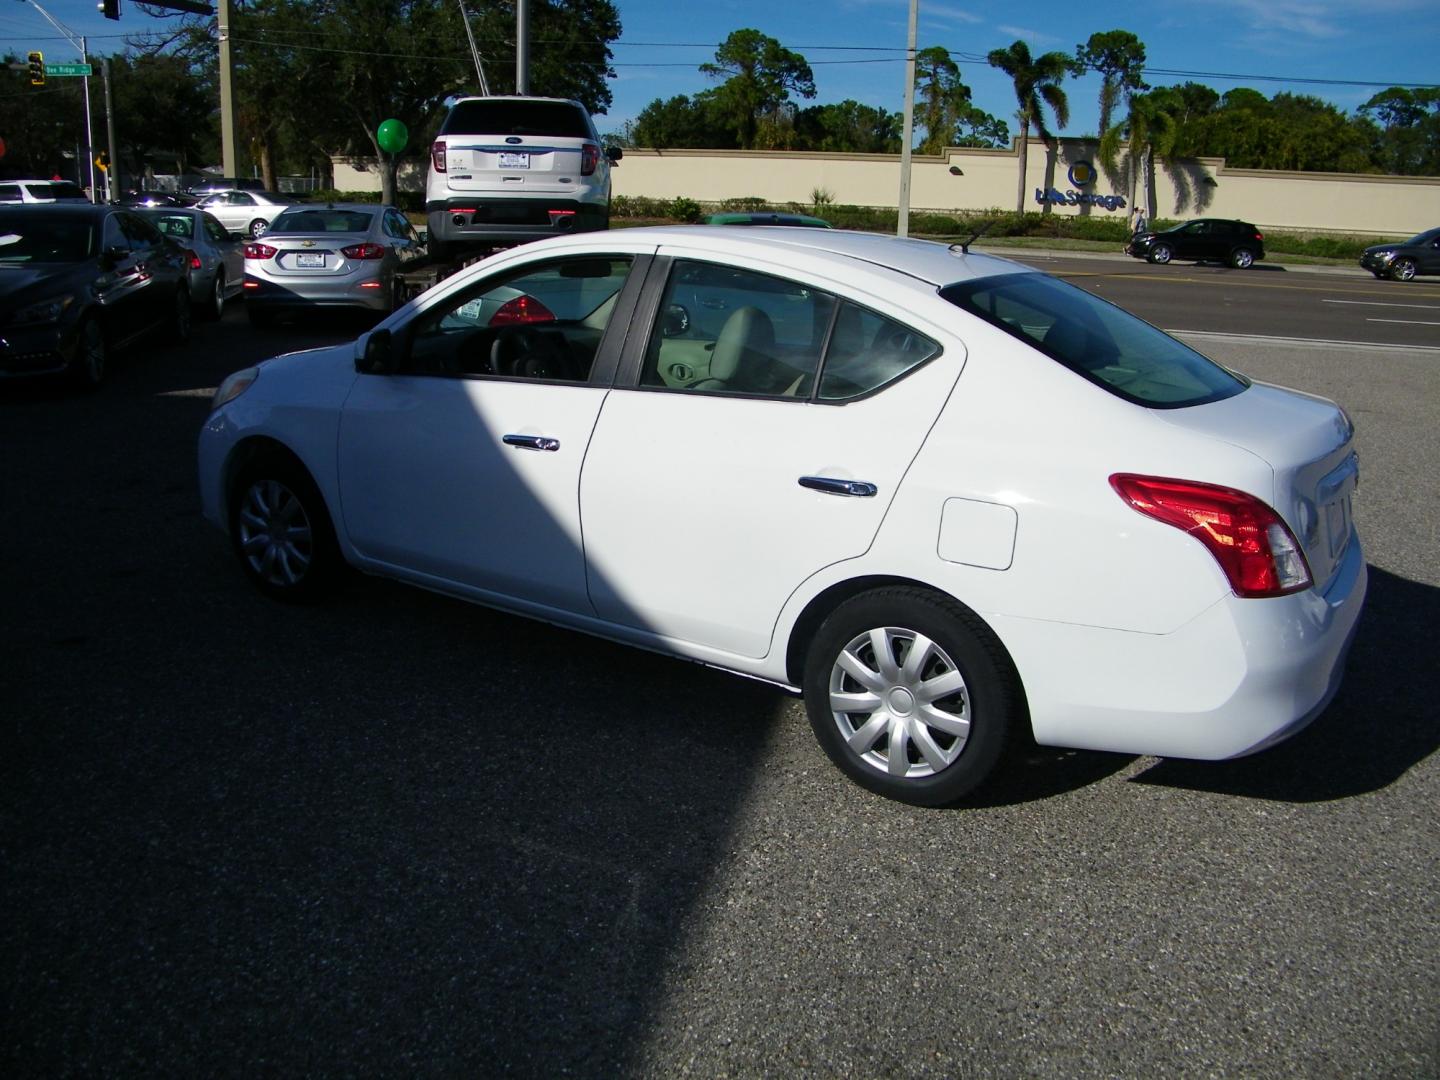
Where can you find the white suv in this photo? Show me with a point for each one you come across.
(41, 191)
(507, 170)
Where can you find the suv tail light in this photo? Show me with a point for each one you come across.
(522, 309)
(1254, 547)
(589, 159)
(437, 155)
(364, 251)
(1259, 235)
(259, 251)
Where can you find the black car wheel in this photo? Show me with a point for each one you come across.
(257, 228)
(178, 330)
(282, 531)
(1242, 258)
(215, 308)
(1160, 253)
(87, 370)
(1403, 270)
(911, 695)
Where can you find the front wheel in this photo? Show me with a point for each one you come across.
(257, 228)
(911, 695)
(1242, 258)
(1161, 254)
(282, 532)
(87, 370)
(1403, 270)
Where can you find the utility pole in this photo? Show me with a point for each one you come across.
(113, 172)
(77, 43)
(902, 226)
(229, 154)
(522, 47)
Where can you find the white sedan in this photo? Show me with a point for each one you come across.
(247, 213)
(952, 500)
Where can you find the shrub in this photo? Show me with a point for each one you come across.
(744, 204)
(683, 209)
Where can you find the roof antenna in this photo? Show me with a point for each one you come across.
(964, 245)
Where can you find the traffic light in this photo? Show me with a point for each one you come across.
(37, 69)
(109, 8)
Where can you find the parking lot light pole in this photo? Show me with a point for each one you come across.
(77, 43)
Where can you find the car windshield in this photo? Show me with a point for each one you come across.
(555, 118)
(32, 238)
(1096, 340)
(180, 226)
(322, 220)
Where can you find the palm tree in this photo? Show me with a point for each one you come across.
(1037, 84)
(1150, 128)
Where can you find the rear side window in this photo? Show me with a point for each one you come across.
(547, 118)
(1096, 340)
(56, 189)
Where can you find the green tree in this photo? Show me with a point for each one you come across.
(1408, 141)
(681, 123)
(1119, 57)
(43, 126)
(848, 128)
(164, 113)
(977, 128)
(760, 75)
(940, 97)
(1037, 86)
(1149, 129)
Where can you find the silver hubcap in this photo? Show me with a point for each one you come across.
(1405, 271)
(1242, 259)
(1162, 255)
(900, 702)
(275, 533)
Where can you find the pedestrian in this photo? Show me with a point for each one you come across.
(1142, 221)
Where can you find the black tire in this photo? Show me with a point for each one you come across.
(92, 356)
(177, 332)
(214, 307)
(957, 746)
(1242, 258)
(1403, 269)
(1161, 254)
(256, 228)
(281, 530)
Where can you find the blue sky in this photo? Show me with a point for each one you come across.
(856, 47)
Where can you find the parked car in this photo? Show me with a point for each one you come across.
(1404, 260)
(1205, 240)
(339, 255)
(246, 212)
(217, 261)
(78, 282)
(766, 217)
(954, 500)
(41, 191)
(507, 170)
(216, 184)
(148, 198)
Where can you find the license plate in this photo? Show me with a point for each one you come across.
(310, 258)
(510, 160)
(1337, 524)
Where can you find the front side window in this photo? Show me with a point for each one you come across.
(1096, 340)
(215, 230)
(540, 322)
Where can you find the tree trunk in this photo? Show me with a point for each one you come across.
(389, 166)
(267, 164)
(1024, 159)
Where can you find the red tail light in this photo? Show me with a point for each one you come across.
(195, 263)
(364, 251)
(437, 155)
(523, 309)
(589, 159)
(1254, 547)
(1259, 235)
(259, 251)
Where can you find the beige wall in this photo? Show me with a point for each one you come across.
(986, 179)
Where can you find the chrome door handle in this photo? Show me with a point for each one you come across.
(532, 442)
(858, 489)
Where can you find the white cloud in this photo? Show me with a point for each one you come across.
(1034, 37)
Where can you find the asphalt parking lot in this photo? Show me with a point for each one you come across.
(396, 834)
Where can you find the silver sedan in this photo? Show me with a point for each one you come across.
(248, 212)
(336, 255)
(217, 263)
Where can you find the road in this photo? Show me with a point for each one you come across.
(1269, 300)
(398, 835)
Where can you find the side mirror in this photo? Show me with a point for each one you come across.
(613, 154)
(113, 256)
(375, 354)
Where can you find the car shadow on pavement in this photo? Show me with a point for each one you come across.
(1380, 725)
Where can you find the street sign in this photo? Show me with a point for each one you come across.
(68, 69)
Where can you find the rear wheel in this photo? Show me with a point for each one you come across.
(215, 306)
(257, 228)
(180, 318)
(911, 695)
(1403, 269)
(1242, 258)
(282, 531)
(1161, 253)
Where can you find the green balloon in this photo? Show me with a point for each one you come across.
(392, 136)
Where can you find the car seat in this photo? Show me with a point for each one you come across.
(742, 352)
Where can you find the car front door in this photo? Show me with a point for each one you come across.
(708, 496)
(462, 468)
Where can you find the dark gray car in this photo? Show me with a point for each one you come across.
(1405, 259)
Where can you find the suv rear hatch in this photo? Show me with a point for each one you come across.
(514, 145)
(1309, 444)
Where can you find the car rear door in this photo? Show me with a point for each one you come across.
(705, 506)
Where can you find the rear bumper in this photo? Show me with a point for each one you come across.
(478, 221)
(346, 292)
(1242, 676)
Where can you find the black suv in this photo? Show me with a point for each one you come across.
(1204, 240)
